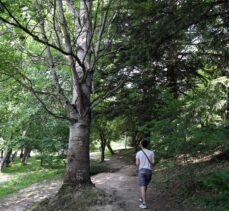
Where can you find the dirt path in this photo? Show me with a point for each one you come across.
(122, 184)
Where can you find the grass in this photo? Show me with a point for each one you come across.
(25, 180)
(24, 175)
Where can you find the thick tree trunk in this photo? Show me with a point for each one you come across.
(78, 164)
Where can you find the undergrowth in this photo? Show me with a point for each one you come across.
(202, 184)
(214, 190)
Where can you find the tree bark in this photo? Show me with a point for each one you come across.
(25, 155)
(2, 152)
(109, 147)
(78, 163)
(14, 155)
(103, 145)
(6, 159)
(22, 152)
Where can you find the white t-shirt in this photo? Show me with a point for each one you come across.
(144, 163)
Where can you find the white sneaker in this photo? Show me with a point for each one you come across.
(140, 200)
(143, 206)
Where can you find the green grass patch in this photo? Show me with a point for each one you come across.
(25, 175)
(33, 165)
(25, 180)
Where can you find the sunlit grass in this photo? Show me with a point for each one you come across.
(25, 180)
(22, 176)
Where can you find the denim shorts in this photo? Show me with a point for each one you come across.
(144, 177)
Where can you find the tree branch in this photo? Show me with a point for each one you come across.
(17, 24)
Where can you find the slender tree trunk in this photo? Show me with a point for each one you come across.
(103, 146)
(8, 155)
(125, 141)
(29, 153)
(42, 159)
(6, 159)
(109, 147)
(14, 155)
(2, 152)
(25, 155)
(22, 152)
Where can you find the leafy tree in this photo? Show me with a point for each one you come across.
(195, 123)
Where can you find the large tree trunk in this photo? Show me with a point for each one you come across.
(78, 165)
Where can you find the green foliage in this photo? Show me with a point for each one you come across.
(217, 181)
(193, 123)
(217, 190)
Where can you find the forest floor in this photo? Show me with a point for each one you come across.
(120, 184)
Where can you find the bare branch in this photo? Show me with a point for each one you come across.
(59, 89)
(76, 80)
(56, 26)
